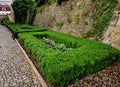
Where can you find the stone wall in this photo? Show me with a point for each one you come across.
(71, 17)
(11, 15)
(112, 34)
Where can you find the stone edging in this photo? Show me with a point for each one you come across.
(41, 80)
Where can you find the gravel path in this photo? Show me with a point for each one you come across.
(15, 71)
(109, 77)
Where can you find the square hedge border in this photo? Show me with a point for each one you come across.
(63, 68)
(21, 28)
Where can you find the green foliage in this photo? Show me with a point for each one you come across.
(40, 2)
(60, 1)
(53, 44)
(43, 2)
(24, 10)
(101, 17)
(93, 1)
(63, 68)
(6, 21)
(20, 28)
(59, 24)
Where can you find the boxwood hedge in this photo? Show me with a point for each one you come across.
(62, 68)
(20, 28)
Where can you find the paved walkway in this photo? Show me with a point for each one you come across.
(15, 71)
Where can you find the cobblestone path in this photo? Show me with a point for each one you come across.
(15, 71)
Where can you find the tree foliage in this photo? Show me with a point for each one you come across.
(22, 9)
(40, 2)
(60, 1)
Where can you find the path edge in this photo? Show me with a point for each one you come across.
(41, 80)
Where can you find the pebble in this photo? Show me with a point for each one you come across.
(6, 84)
(14, 70)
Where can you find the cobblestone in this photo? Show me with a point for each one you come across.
(15, 70)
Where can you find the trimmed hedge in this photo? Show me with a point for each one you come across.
(63, 68)
(20, 28)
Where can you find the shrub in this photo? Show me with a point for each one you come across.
(20, 28)
(5, 21)
(63, 68)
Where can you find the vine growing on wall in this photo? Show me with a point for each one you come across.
(103, 13)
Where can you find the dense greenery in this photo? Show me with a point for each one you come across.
(42, 2)
(60, 1)
(24, 11)
(6, 21)
(53, 44)
(101, 17)
(64, 67)
(20, 28)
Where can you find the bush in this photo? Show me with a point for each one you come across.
(20, 28)
(62, 68)
(5, 21)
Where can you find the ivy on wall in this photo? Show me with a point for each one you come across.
(103, 13)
